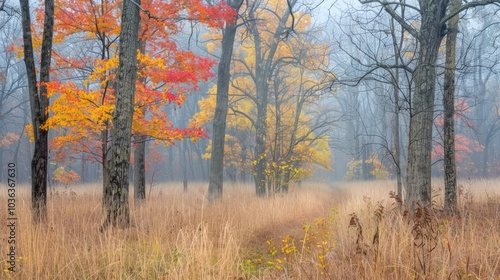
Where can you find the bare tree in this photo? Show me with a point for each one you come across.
(39, 103)
(365, 61)
(433, 18)
(215, 186)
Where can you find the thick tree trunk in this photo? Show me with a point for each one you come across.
(39, 103)
(418, 176)
(116, 206)
(215, 185)
(39, 177)
(450, 170)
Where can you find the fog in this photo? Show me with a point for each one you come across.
(340, 62)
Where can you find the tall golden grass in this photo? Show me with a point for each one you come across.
(302, 235)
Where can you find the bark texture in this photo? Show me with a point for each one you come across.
(216, 180)
(140, 172)
(450, 169)
(39, 103)
(418, 175)
(140, 154)
(116, 187)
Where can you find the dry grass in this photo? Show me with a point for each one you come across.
(177, 235)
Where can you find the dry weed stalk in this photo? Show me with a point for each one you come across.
(424, 230)
(361, 246)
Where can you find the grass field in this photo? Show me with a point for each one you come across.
(348, 231)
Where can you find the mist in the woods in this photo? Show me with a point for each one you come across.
(202, 108)
(352, 102)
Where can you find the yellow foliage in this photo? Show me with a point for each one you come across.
(286, 157)
(207, 109)
(378, 168)
(314, 247)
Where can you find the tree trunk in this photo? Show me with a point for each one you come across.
(450, 170)
(140, 154)
(395, 128)
(82, 168)
(418, 176)
(104, 148)
(395, 132)
(260, 138)
(39, 103)
(215, 185)
(140, 172)
(116, 207)
(201, 162)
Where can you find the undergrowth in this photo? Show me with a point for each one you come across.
(390, 240)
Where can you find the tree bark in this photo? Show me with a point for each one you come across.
(418, 176)
(140, 155)
(216, 185)
(450, 170)
(140, 172)
(116, 206)
(260, 137)
(39, 103)
(104, 147)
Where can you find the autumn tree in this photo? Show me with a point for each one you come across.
(82, 108)
(39, 102)
(261, 73)
(118, 159)
(298, 137)
(290, 88)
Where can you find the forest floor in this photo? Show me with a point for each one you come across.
(347, 231)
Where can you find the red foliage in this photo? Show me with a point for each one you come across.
(166, 73)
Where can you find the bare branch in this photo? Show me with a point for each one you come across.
(469, 5)
(398, 18)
